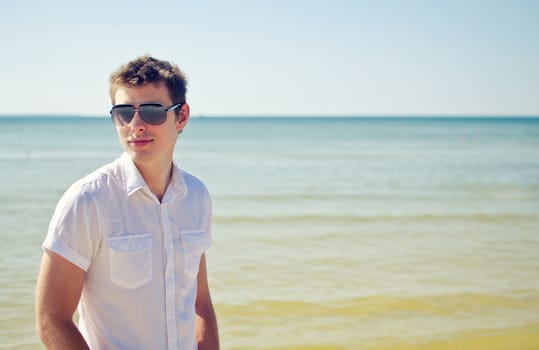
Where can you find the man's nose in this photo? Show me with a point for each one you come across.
(137, 123)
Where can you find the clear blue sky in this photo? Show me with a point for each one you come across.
(281, 57)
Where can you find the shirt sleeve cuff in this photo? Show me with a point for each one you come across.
(67, 253)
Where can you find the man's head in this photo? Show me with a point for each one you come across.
(148, 70)
(149, 109)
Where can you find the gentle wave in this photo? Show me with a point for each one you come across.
(387, 306)
(49, 156)
(425, 218)
(456, 321)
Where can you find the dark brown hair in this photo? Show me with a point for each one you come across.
(149, 70)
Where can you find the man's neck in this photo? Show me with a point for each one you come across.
(156, 176)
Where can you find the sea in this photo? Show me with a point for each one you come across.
(329, 233)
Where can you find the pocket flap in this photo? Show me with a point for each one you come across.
(130, 243)
(196, 237)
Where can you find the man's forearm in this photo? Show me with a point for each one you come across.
(207, 332)
(62, 335)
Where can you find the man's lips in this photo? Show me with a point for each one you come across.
(139, 142)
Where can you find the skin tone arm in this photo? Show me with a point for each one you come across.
(58, 292)
(207, 334)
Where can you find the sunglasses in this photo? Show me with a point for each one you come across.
(151, 113)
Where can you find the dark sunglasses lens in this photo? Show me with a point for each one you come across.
(153, 114)
(123, 114)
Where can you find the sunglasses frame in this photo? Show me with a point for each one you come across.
(118, 120)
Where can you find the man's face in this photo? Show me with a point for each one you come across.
(146, 143)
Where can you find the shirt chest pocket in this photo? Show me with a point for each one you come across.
(130, 260)
(195, 243)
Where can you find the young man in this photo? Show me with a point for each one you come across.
(127, 243)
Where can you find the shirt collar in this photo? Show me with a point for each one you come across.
(132, 177)
(134, 180)
(177, 186)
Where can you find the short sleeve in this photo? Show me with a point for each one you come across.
(74, 231)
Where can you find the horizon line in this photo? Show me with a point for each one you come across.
(215, 116)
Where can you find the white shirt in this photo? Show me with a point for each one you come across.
(141, 256)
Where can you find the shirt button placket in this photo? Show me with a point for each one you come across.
(170, 282)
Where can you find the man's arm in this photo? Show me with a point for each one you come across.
(58, 292)
(207, 334)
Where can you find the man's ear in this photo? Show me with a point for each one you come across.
(183, 118)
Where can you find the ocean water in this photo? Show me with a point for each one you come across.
(329, 233)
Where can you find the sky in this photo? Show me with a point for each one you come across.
(280, 57)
